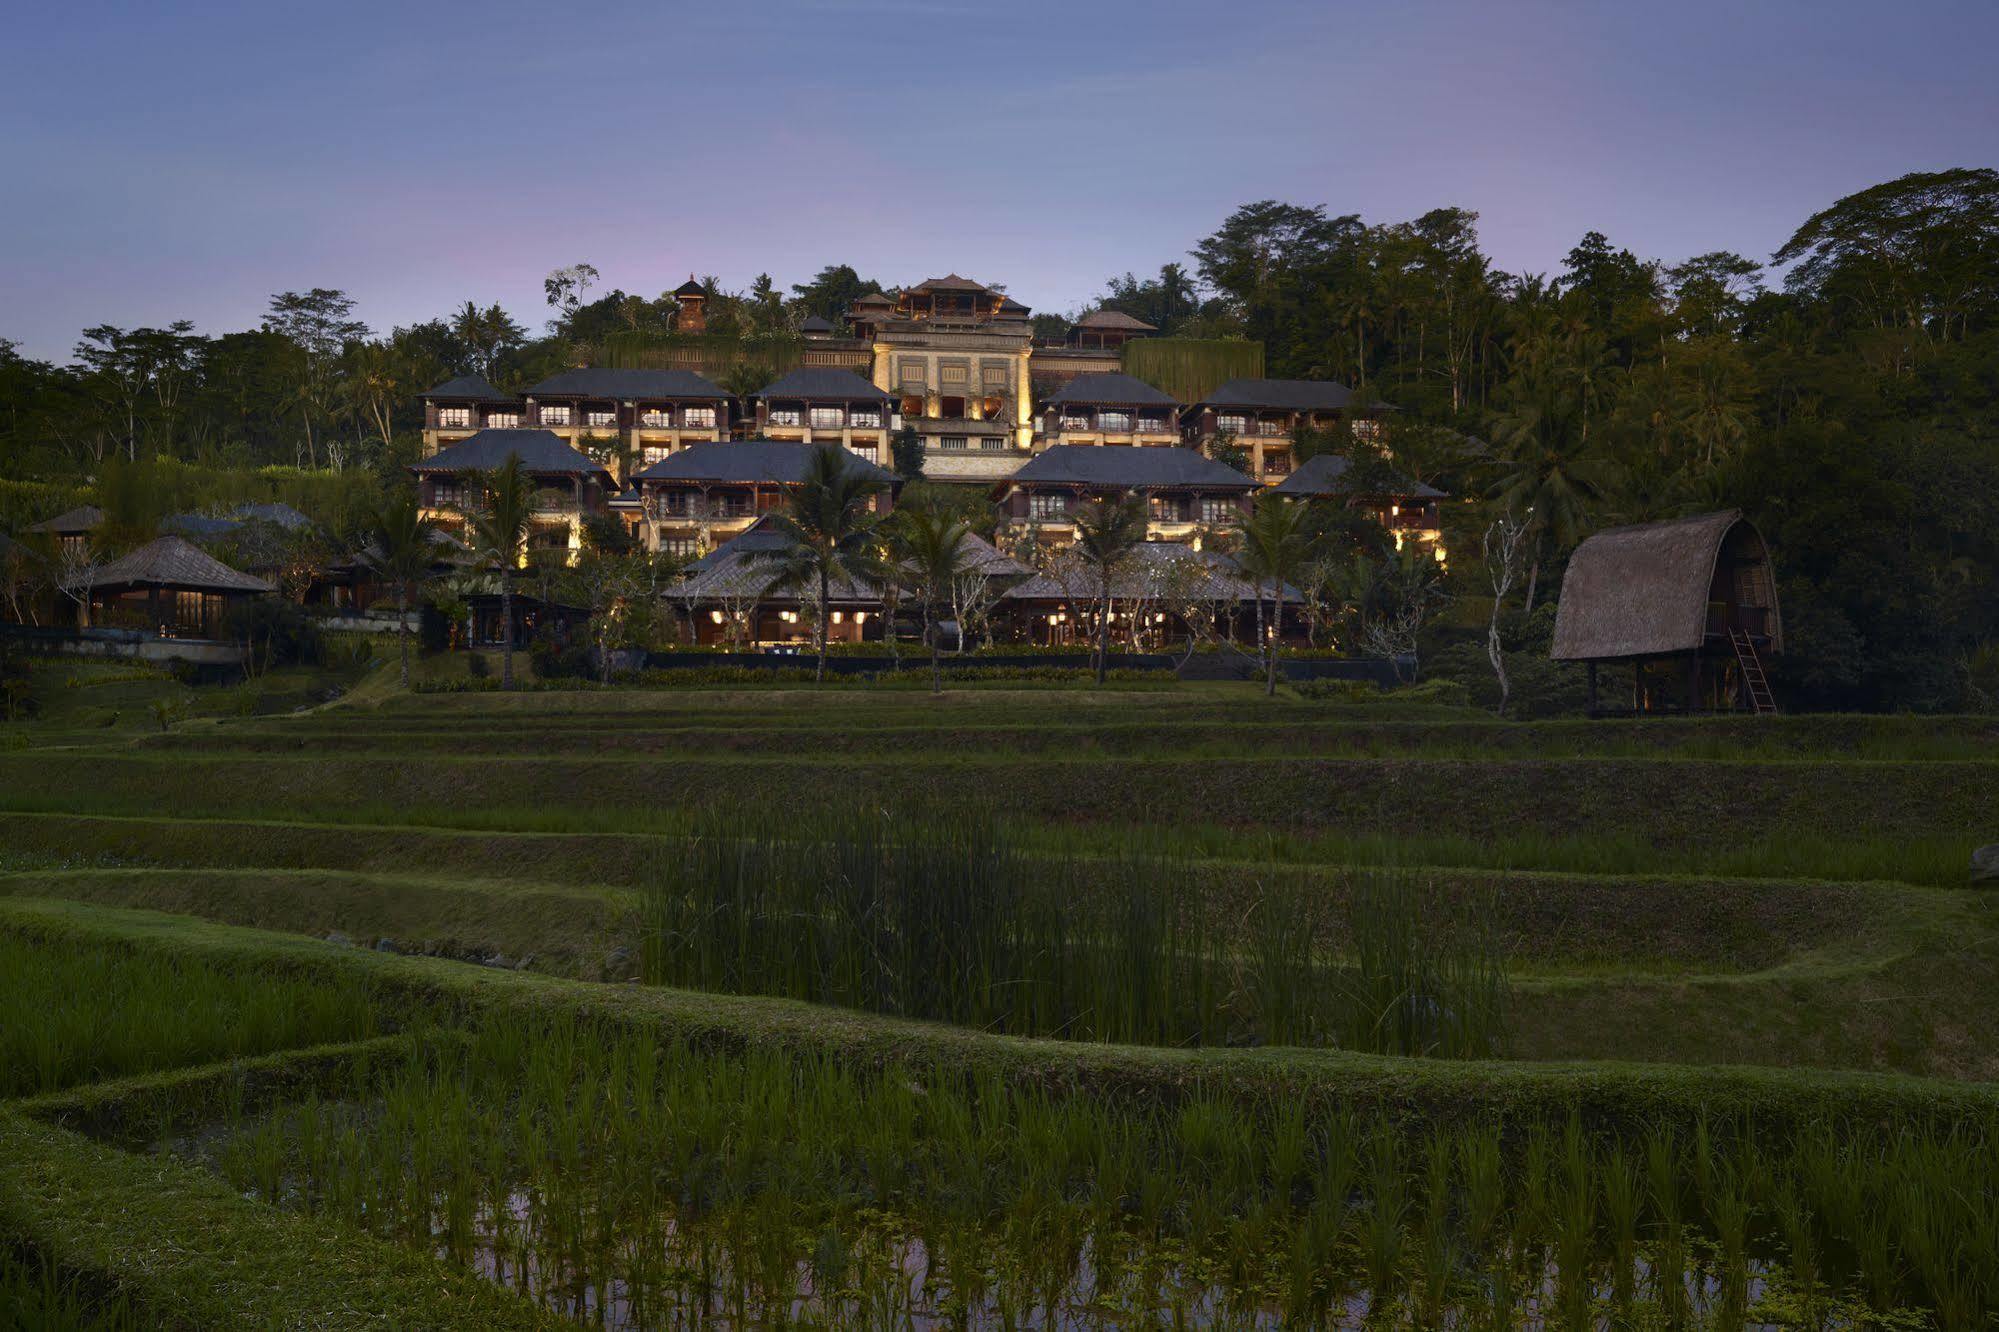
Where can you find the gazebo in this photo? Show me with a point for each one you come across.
(168, 588)
(1690, 605)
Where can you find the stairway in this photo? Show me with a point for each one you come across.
(1753, 677)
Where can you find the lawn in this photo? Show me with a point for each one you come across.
(866, 1008)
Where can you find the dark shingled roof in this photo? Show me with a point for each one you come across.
(950, 282)
(1114, 319)
(875, 298)
(538, 450)
(1216, 578)
(814, 324)
(470, 388)
(775, 461)
(812, 381)
(199, 526)
(690, 288)
(732, 570)
(169, 561)
(1323, 476)
(1291, 395)
(605, 382)
(80, 519)
(282, 515)
(1096, 465)
(1642, 591)
(1114, 389)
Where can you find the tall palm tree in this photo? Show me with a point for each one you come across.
(931, 551)
(499, 528)
(1276, 543)
(831, 532)
(1107, 531)
(401, 547)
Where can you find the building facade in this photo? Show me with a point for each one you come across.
(1184, 493)
(1108, 409)
(814, 405)
(570, 486)
(696, 500)
(1258, 415)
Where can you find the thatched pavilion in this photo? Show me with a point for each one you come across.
(1690, 605)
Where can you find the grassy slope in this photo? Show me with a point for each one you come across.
(1606, 1091)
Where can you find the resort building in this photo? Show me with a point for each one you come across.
(1148, 596)
(1109, 409)
(954, 355)
(698, 499)
(71, 529)
(1184, 493)
(814, 405)
(1259, 415)
(644, 415)
(1408, 509)
(462, 407)
(569, 486)
(168, 588)
(1689, 605)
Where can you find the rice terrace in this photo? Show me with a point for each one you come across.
(852, 1007)
(1256, 666)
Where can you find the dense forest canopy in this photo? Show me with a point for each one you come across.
(1847, 399)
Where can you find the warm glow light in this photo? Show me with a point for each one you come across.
(839, 617)
(1440, 554)
(716, 616)
(860, 617)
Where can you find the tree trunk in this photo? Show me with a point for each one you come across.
(506, 629)
(820, 617)
(1533, 579)
(1270, 649)
(403, 631)
(1494, 651)
(1103, 626)
(930, 637)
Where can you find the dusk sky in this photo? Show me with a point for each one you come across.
(172, 161)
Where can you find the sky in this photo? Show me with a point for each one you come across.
(186, 161)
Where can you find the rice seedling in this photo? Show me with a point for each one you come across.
(81, 1011)
(36, 1293)
(594, 1171)
(955, 920)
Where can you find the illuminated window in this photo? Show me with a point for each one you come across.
(866, 416)
(503, 420)
(786, 416)
(655, 419)
(449, 417)
(827, 418)
(601, 418)
(1048, 506)
(555, 416)
(700, 417)
(1114, 421)
(1231, 423)
(1217, 509)
(953, 375)
(1075, 421)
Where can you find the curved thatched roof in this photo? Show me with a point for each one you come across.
(1642, 591)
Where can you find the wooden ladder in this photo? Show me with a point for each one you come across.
(1753, 677)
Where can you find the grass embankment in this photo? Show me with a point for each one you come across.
(1303, 730)
(1937, 810)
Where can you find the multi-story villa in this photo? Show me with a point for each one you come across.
(697, 499)
(954, 354)
(569, 486)
(1108, 409)
(1183, 491)
(1408, 509)
(1260, 414)
(460, 408)
(645, 414)
(813, 405)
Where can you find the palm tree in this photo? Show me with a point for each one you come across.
(831, 528)
(1545, 470)
(401, 547)
(1276, 543)
(500, 535)
(930, 553)
(1107, 531)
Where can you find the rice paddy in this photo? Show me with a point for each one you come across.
(800, 1008)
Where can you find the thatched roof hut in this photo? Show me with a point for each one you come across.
(1653, 589)
(1700, 591)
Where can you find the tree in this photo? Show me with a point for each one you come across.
(1503, 538)
(1107, 533)
(402, 545)
(319, 324)
(564, 288)
(829, 524)
(832, 291)
(487, 335)
(1276, 542)
(1543, 470)
(499, 529)
(906, 448)
(931, 555)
